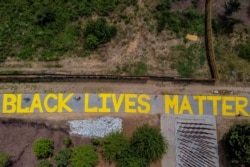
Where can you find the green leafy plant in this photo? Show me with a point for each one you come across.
(114, 145)
(128, 159)
(237, 144)
(84, 156)
(4, 159)
(98, 32)
(67, 141)
(44, 163)
(148, 143)
(43, 148)
(244, 51)
(62, 158)
(95, 141)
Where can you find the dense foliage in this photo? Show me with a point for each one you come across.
(62, 158)
(43, 148)
(244, 51)
(237, 144)
(114, 145)
(44, 163)
(231, 7)
(84, 156)
(128, 159)
(148, 143)
(98, 32)
(4, 159)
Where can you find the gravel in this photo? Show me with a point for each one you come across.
(95, 128)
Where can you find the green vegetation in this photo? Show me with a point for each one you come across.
(189, 60)
(244, 51)
(114, 146)
(148, 143)
(98, 32)
(84, 156)
(47, 30)
(44, 163)
(137, 68)
(67, 142)
(188, 21)
(128, 160)
(43, 148)
(95, 141)
(62, 158)
(237, 144)
(4, 159)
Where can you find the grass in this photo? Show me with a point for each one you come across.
(137, 68)
(190, 59)
(27, 27)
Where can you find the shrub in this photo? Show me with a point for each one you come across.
(95, 141)
(44, 163)
(84, 156)
(244, 52)
(114, 145)
(128, 160)
(98, 32)
(237, 144)
(43, 148)
(4, 159)
(148, 143)
(67, 142)
(91, 42)
(140, 68)
(62, 158)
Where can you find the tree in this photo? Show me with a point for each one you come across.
(237, 144)
(231, 7)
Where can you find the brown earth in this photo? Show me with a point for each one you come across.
(18, 135)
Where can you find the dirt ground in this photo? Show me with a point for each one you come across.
(18, 135)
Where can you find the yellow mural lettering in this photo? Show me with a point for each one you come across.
(36, 103)
(144, 105)
(86, 104)
(9, 104)
(19, 108)
(130, 103)
(185, 106)
(171, 104)
(117, 102)
(200, 100)
(104, 98)
(241, 104)
(46, 103)
(227, 109)
(62, 102)
(214, 100)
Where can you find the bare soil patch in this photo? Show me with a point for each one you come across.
(18, 135)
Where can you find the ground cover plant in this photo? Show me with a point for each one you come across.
(47, 30)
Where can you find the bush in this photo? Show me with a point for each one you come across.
(231, 7)
(128, 160)
(43, 148)
(148, 143)
(98, 32)
(4, 159)
(114, 145)
(44, 163)
(95, 141)
(67, 142)
(62, 158)
(244, 52)
(237, 144)
(84, 156)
